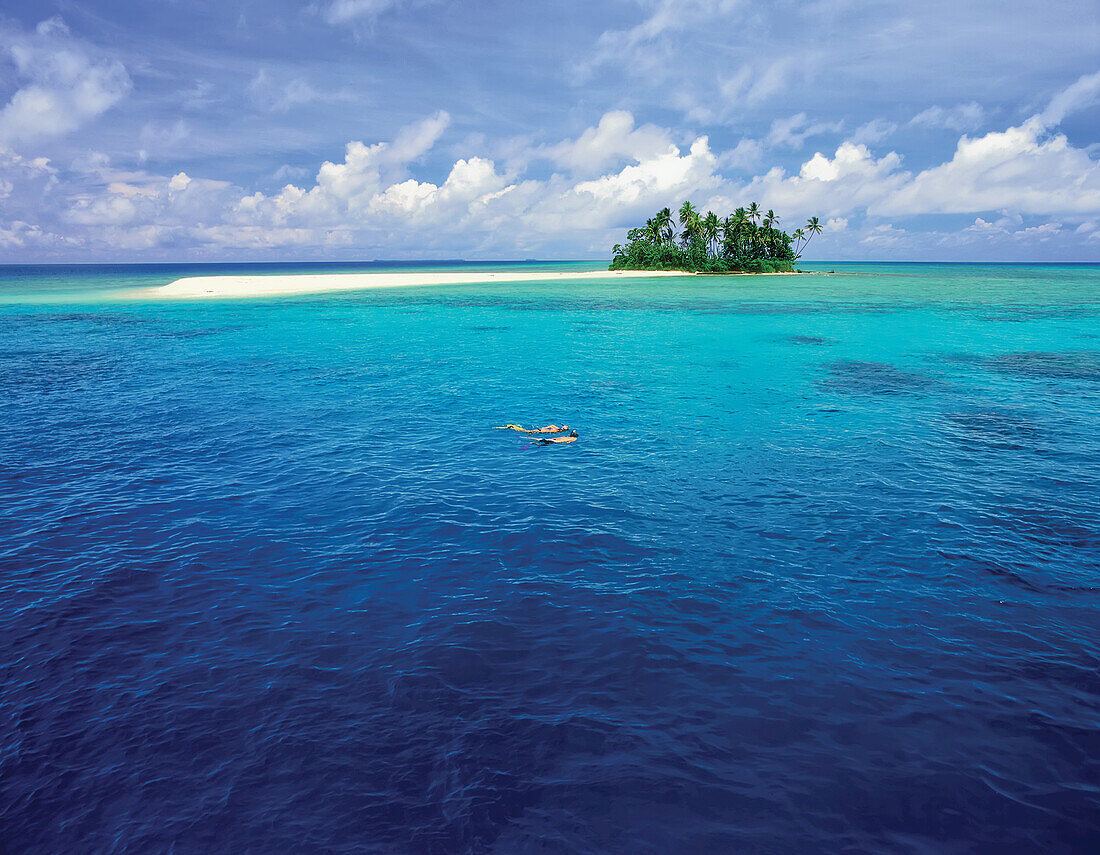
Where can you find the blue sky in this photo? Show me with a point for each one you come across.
(360, 129)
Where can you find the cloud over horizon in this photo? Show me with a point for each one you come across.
(450, 183)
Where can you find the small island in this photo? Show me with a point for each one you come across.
(710, 244)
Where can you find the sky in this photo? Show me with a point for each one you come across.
(237, 130)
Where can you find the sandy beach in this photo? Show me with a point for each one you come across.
(212, 287)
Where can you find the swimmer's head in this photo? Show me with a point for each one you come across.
(574, 433)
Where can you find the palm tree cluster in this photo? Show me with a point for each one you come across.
(745, 241)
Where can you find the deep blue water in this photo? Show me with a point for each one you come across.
(822, 573)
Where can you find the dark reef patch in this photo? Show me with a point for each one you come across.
(106, 319)
(1064, 365)
(1019, 314)
(961, 358)
(860, 377)
(808, 339)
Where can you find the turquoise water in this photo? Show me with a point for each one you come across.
(822, 572)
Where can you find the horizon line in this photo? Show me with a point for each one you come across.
(381, 261)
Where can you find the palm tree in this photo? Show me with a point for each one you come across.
(688, 219)
(754, 212)
(693, 226)
(687, 213)
(729, 235)
(665, 224)
(740, 221)
(812, 227)
(710, 226)
(799, 236)
(771, 217)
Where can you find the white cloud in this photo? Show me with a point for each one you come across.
(612, 141)
(65, 84)
(1020, 168)
(747, 154)
(960, 118)
(1082, 94)
(793, 131)
(139, 201)
(852, 179)
(477, 199)
(608, 178)
(662, 177)
(1025, 168)
(469, 181)
(282, 96)
(162, 137)
(884, 236)
(344, 11)
(753, 85)
(31, 166)
(640, 46)
(286, 172)
(1010, 227)
(23, 178)
(348, 189)
(874, 131)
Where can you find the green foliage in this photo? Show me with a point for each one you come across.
(710, 244)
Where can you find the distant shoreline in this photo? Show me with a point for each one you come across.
(215, 287)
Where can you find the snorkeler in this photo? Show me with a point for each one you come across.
(547, 429)
(558, 440)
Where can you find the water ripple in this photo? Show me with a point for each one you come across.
(271, 581)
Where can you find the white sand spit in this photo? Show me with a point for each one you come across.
(204, 287)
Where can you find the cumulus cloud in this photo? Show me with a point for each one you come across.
(851, 179)
(347, 189)
(20, 235)
(1011, 227)
(10, 162)
(64, 83)
(367, 192)
(609, 177)
(139, 201)
(612, 141)
(621, 197)
(1026, 168)
(1020, 167)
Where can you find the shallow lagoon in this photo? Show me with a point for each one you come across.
(821, 574)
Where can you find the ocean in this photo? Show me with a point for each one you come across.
(821, 573)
